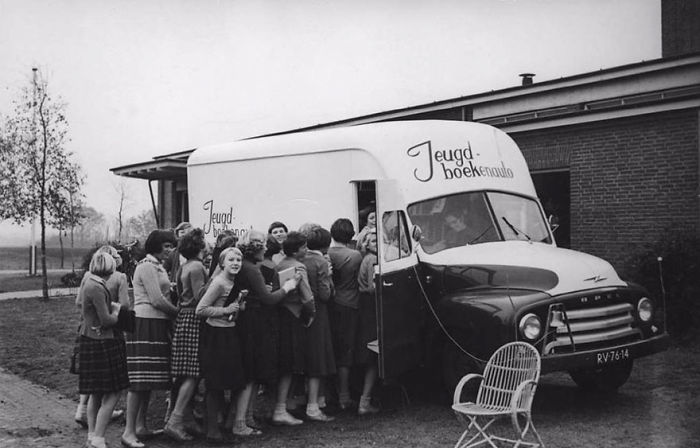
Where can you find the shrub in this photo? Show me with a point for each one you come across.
(680, 267)
(72, 278)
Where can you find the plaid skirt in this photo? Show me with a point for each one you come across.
(185, 355)
(102, 366)
(148, 355)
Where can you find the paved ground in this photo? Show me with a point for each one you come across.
(53, 292)
(32, 416)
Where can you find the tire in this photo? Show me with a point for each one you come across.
(604, 379)
(456, 364)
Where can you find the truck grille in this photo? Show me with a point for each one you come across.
(590, 328)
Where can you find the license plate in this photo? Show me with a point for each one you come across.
(612, 356)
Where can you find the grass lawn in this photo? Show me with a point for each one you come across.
(23, 282)
(654, 409)
(17, 258)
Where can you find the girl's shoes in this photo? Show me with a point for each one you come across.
(319, 416)
(244, 430)
(285, 418)
(365, 407)
(133, 444)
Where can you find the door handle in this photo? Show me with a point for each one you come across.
(385, 283)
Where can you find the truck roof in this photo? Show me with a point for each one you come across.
(427, 158)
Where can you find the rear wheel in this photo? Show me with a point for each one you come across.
(604, 379)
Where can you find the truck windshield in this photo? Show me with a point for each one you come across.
(478, 217)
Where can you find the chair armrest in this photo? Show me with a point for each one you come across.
(531, 384)
(465, 379)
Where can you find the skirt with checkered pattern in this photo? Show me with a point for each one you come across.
(102, 366)
(148, 355)
(185, 350)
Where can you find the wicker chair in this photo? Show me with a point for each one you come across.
(507, 389)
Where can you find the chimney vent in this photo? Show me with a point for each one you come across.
(527, 78)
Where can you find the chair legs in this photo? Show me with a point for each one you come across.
(480, 437)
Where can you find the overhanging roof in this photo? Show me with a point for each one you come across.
(163, 167)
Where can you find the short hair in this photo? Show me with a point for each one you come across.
(252, 242)
(191, 244)
(293, 243)
(102, 264)
(156, 239)
(225, 252)
(107, 249)
(342, 230)
(275, 225)
(273, 247)
(182, 226)
(226, 238)
(318, 238)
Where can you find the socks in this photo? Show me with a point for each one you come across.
(175, 420)
(312, 409)
(81, 411)
(280, 408)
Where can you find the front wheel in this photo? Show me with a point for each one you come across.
(603, 379)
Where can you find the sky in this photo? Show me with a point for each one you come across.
(144, 78)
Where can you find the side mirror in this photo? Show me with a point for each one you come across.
(416, 233)
(553, 224)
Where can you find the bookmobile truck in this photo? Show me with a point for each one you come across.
(441, 303)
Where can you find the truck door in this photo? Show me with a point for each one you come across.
(400, 313)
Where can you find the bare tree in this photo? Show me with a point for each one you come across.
(124, 203)
(35, 159)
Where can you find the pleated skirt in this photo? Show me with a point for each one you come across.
(102, 366)
(148, 355)
(320, 358)
(221, 358)
(259, 331)
(185, 348)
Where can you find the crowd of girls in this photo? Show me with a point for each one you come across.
(286, 310)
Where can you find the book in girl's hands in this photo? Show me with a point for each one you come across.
(286, 274)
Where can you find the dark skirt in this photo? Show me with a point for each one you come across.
(344, 322)
(185, 357)
(258, 327)
(102, 366)
(148, 355)
(320, 358)
(367, 329)
(220, 358)
(292, 343)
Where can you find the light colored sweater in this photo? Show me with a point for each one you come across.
(151, 290)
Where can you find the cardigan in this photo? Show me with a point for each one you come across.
(190, 282)
(346, 264)
(96, 309)
(301, 297)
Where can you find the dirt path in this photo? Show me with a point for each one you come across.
(36, 417)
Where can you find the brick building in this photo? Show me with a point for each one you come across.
(614, 153)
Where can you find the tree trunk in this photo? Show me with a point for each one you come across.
(60, 242)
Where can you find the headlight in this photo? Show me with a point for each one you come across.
(530, 327)
(645, 309)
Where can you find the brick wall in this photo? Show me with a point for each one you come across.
(631, 179)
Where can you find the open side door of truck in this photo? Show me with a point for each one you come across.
(400, 306)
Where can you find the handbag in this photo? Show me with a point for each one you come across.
(75, 360)
(126, 320)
